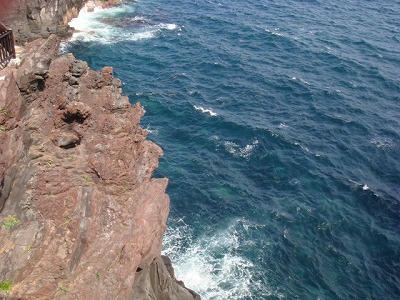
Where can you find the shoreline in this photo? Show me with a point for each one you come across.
(65, 129)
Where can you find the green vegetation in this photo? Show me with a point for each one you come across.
(6, 286)
(3, 111)
(64, 289)
(2, 128)
(68, 220)
(10, 222)
(27, 248)
(88, 178)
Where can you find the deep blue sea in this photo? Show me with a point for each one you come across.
(280, 124)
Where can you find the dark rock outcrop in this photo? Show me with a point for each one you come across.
(159, 282)
(81, 217)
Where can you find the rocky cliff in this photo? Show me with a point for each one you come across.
(81, 216)
(31, 19)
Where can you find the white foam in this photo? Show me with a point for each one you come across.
(304, 148)
(140, 18)
(337, 116)
(355, 185)
(215, 138)
(193, 92)
(301, 80)
(168, 26)
(237, 150)
(90, 27)
(382, 142)
(211, 265)
(285, 233)
(149, 130)
(206, 111)
(142, 35)
(355, 182)
(274, 32)
(365, 187)
(304, 81)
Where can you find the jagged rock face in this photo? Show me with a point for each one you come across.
(75, 174)
(159, 282)
(31, 19)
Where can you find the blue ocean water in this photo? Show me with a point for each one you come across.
(280, 124)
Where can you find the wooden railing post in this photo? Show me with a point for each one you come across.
(14, 55)
(7, 46)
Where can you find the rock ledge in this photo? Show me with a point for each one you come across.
(75, 174)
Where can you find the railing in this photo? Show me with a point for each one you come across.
(7, 48)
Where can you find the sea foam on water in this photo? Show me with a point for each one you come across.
(212, 264)
(98, 25)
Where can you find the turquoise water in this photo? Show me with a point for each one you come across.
(280, 124)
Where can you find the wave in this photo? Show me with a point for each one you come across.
(363, 186)
(105, 27)
(280, 34)
(304, 148)
(301, 80)
(167, 26)
(213, 265)
(236, 150)
(275, 31)
(284, 138)
(205, 111)
(152, 131)
(383, 142)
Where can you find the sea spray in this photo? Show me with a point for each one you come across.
(212, 264)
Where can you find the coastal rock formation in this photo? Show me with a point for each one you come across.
(81, 216)
(31, 19)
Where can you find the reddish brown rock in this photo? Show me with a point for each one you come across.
(75, 174)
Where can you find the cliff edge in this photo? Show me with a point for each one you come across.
(32, 19)
(81, 216)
